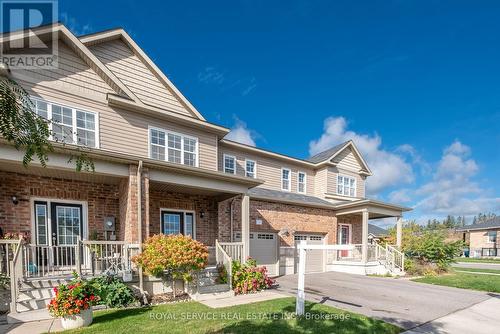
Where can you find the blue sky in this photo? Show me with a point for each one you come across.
(415, 83)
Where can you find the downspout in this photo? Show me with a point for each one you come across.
(231, 219)
(139, 225)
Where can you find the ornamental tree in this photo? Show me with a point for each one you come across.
(175, 256)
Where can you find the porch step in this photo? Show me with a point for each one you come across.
(208, 281)
(215, 288)
(212, 296)
(30, 304)
(25, 294)
(41, 283)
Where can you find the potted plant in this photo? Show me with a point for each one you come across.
(73, 303)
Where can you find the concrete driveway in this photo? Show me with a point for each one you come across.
(398, 301)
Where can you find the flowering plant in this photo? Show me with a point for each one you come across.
(248, 277)
(72, 298)
(16, 236)
(177, 254)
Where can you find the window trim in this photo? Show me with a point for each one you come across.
(224, 163)
(254, 168)
(488, 240)
(354, 187)
(167, 132)
(74, 126)
(289, 179)
(298, 182)
(184, 212)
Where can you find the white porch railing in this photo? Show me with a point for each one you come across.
(222, 258)
(7, 250)
(395, 259)
(350, 253)
(234, 250)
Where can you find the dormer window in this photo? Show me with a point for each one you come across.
(346, 186)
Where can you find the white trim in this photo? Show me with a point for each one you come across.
(184, 219)
(343, 186)
(350, 233)
(254, 168)
(74, 126)
(85, 216)
(488, 237)
(224, 163)
(289, 179)
(167, 132)
(298, 182)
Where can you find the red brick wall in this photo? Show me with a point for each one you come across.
(102, 199)
(206, 227)
(278, 216)
(357, 226)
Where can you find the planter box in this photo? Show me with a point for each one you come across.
(83, 319)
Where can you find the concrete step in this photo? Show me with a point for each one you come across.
(25, 294)
(214, 288)
(208, 281)
(212, 296)
(28, 316)
(44, 282)
(32, 304)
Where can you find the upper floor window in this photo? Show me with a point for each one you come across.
(173, 147)
(69, 125)
(492, 236)
(301, 182)
(250, 167)
(346, 186)
(285, 179)
(229, 164)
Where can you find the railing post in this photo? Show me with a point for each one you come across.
(78, 261)
(13, 288)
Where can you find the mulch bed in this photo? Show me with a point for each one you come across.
(168, 297)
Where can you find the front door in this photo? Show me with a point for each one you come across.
(344, 238)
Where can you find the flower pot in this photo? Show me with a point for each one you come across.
(83, 319)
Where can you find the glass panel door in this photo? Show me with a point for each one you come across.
(67, 225)
(345, 231)
(188, 224)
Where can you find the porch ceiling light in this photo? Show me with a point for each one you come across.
(15, 200)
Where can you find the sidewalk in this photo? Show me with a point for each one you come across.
(244, 299)
(33, 327)
(481, 318)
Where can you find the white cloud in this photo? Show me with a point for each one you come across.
(389, 168)
(74, 26)
(211, 75)
(400, 196)
(452, 190)
(241, 133)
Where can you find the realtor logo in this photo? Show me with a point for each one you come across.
(24, 42)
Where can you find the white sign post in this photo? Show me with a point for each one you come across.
(301, 296)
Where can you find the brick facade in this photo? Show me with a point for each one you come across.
(278, 216)
(102, 200)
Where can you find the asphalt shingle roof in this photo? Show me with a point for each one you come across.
(492, 223)
(322, 156)
(377, 231)
(288, 197)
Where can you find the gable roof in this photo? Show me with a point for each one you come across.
(119, 33)
(490, 224)
(377, 231)
(331, 153)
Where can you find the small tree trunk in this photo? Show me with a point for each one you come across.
(173, 288)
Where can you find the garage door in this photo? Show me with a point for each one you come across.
(264, 249)
(314, 257)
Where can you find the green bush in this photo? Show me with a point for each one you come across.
(430, 252)
(248, 277)
(4, 281)
(112, 291)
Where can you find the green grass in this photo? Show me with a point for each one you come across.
(468, 259)
(251, 318)
(491, 271)
(471, 281)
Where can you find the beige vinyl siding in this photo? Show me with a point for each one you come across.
(320, 182)
(268, 169)
(346, 160)
(479, 239)
(73, 75)
(126, 131)
(120, 60)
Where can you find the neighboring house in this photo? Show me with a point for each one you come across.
(376, 234)
(160, 167)
(483, 238)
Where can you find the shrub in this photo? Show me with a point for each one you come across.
(112, 291)
(250, 278)
(178, 255)
(222, 279)
(72, 298)
(4, 281)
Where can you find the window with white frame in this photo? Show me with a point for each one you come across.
(250, 167)
(69, 125)
(229, 164)
(346, 186)
(301, 182)
(173, 147)
(492, 236)
(285, 179)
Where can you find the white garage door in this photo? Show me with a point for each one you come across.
(264, 249)
(315, 257)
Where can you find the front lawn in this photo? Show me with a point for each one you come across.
(274, 316)
(489, 271)
(471, 281)
(470, 259)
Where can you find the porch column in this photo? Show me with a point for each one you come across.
(399, 230)
(245, 225)
(364, 237)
